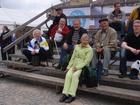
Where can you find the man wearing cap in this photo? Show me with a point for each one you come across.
(105, 45)
(57, 18)
(117, 18)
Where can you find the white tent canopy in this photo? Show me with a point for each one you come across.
(17, 17)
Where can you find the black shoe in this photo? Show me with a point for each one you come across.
(105, 73)
(122, 75)
(63, 98)
(133, 77)
(69, 99)
(58, 67)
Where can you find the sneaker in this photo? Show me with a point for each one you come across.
(29, 63)
(43, 64)
(105, 73)
(122, 75)
(133, 77)
(58, 67)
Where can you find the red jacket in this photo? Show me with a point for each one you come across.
(64, 32)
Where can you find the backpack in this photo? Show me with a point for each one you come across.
(89, 76)
(65, 61)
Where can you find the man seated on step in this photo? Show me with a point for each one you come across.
(72, 40)
(58, 34)
(117, 18)
(38, 46)
(130, 48)
(105, 44)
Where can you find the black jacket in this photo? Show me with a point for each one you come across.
(6, 41)
(57, 19)
(69, 37)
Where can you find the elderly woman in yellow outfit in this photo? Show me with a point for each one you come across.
(81, 57)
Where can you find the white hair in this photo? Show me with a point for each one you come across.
(37, 31)
(85, 36)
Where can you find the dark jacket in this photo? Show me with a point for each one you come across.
(6, 41)
(69, 37)
(57, 19)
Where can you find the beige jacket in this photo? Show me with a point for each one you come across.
(110, 40)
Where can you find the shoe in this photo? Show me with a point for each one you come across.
(69, 99)
(29, 63)
(133, 77)
(63, 98)
(58, 67)
(122, 75)
(105, 73)
(43, 64)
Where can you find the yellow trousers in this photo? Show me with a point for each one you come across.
(71, 82)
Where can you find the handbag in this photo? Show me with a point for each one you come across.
(89, 76)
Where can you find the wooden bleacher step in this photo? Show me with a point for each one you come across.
(25, 65)
(104, 90)
(113, 74)
(23, 57)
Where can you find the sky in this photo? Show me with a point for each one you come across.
(28, 5)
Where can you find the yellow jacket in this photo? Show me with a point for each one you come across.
(133, 16)
(81, 57)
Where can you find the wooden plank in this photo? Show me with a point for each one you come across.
(114, 78)
(115, 92)
(24, 57)
(24, 65)
(33, 77)
(113, 74)
(104, 90)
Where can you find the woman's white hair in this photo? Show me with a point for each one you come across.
(85, 36)
(37, 31)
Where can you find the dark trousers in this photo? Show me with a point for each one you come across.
(118, 26)
(52, 44)
(124, 56)
(5, 54)
(65, 52)
(43, 54)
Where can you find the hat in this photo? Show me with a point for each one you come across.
(103, 19)
(58, 9)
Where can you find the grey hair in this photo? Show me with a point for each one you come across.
(85, 36)
(76, 20)
(35, 31)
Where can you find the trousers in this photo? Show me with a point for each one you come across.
(71, 82)
(107, 53)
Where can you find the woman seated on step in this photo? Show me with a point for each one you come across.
(58, 34)
(38, 47)
(81, 57)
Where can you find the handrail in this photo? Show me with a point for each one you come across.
(91, 16)
(23, 25)
(24, 36)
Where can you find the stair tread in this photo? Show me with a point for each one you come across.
(111, 78)
(101, 89)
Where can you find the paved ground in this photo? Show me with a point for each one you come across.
(14, 91)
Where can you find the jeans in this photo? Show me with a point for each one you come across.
(130, 28)
(124, 56)
(118, 26)
(65, 52)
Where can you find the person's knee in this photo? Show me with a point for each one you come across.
(122, 52)
(106, 50)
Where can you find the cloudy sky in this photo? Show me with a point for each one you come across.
(28, 5)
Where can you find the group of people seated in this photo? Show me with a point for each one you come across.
(76, 41)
